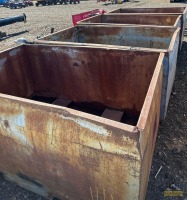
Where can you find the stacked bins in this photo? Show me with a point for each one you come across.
(162, 11)
(134, 19)
(138, 20)
(79, 122)
(157, 39)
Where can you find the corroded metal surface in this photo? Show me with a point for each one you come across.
(14, 63)
(148, 131)
(148, 38)
(58, 151)
(133, 36)
(70, 155)
(80, 65)
(167, 10)
(151, 10)
(138, 19)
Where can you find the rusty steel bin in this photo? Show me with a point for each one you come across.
(134, 19)
(78, 122)
(166, 10)
(148, 38)
(138, 19)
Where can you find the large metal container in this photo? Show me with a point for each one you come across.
(79, 122)
(140, 38)
(138, 20)
(134, 19)
(167, 10)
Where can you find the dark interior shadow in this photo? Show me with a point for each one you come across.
(184, 1)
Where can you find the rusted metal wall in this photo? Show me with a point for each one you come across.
(147, 140)
(13, 73)
(58, 151)
(150, 10)
(173, 62)
(148, 38)
(170, 63)
(169, 10)
(64, 153)
(81, 65)
(138, 19)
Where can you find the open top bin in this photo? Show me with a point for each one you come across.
(134, 19)
(167, 10)
(79, 122)
(156, 39)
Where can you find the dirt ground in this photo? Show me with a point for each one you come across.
(170, 154)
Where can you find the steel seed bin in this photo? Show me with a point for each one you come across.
(138, 19)
(134, 19)
(167, 10)
(79, 123)
(141, 38)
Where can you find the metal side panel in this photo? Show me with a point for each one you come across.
(146, 37)
(170, 62)
(172, 67)
(148, 126)
(135, 37)
(68, 35)
(167, 10)
(14, 76)
(66, 153)
(61, 152)
(137, 18)
(150, 10)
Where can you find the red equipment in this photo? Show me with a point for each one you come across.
(78, 17)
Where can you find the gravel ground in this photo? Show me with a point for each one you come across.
(171, 146)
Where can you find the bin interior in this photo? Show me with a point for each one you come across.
(151, 10)
(146, 37)
(143, 19)
(93, 80)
